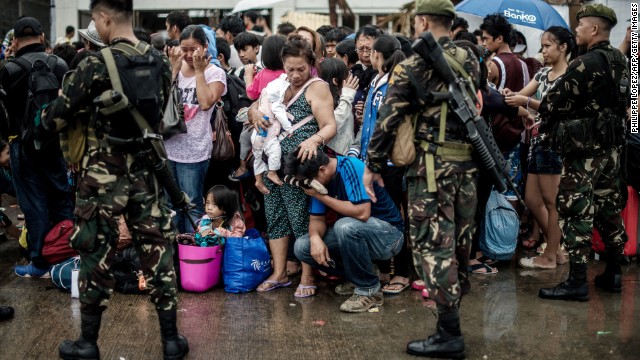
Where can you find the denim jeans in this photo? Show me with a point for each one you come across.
(190, 177)
(43, 192)
(353, 245)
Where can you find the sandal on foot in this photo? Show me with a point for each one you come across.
(299, 295)
(272, 285)
(486, 260)
(483, 269)
(245, 175)
(418, 285)
(402, 287)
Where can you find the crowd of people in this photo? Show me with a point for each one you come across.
(311, 167)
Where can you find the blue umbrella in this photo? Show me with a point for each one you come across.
(532, 13)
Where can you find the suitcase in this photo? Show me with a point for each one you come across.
(630, 220)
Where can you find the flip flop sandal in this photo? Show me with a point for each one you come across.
(395, 291)
(476, 269)
(273, 285)
(305, 287)
(487, 260)
(417, 285)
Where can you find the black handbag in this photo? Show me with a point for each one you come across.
(173, 117)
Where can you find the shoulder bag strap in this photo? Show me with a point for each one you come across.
(304, 87)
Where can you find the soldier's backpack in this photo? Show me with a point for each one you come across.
(140, 70)
(43, 86)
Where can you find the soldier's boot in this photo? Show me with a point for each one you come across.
(611, 278)
(446, 343)
(86, 347)
(574, 288)
(174, 345)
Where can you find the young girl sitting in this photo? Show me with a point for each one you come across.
(222, 217)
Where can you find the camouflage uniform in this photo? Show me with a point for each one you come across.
(115, 181)
(589, 191)
(441, 222)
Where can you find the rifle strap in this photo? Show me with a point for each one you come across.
(442, 149)
(430, 153)
(139, 119)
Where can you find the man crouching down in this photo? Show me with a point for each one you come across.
(365, 230)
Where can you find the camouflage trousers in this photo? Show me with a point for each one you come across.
(114, 185)
(441, 227)
(588, 196)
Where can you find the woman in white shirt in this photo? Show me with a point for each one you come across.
(201, 85)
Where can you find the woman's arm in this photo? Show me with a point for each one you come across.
(321, 101)
(524, 97)
(208, 93)
(343, 110)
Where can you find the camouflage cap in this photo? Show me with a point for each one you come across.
(435, 7)
(598, 10)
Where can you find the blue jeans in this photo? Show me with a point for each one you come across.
(190, 177)
(353, 245)
(43, 192)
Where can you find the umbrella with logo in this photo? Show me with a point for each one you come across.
(536, 14)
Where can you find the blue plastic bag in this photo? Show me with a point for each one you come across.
(499, 233)
(247, 262)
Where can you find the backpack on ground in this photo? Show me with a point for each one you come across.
(56, 246)
(499, 231)
(127, 271)
(61, 274)
(42, 88)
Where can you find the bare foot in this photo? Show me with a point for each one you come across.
(273, 176)
(539, 262)
(307, 287)
(273, 282)
(384, 278)
(240, 171)
(560, 258)
(396, 285)
(293, 268)
(262, 187)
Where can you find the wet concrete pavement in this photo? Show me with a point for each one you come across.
(502, 318)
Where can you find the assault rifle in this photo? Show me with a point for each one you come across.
(461, 100)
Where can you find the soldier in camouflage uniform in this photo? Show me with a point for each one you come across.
(584, 117)
(116, 181)
(441, 181)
